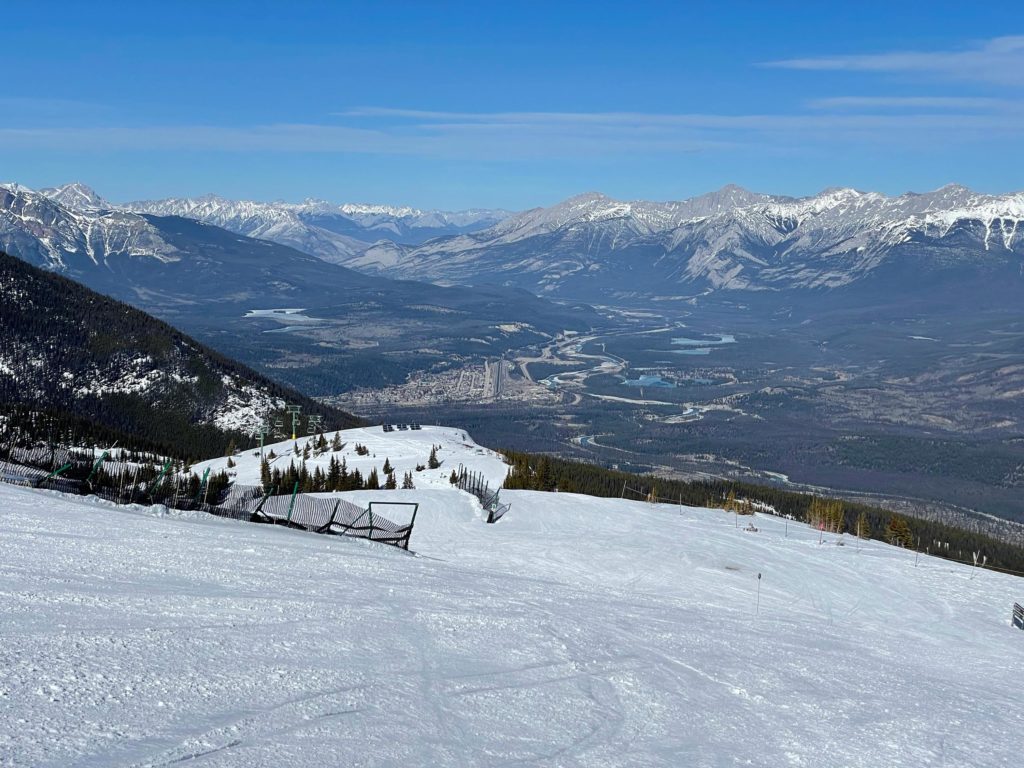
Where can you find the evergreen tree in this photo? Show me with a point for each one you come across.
(333, 479)
(372, 481)
(432, 462)
(265, 473)
(336, 442)
(407, 484)
(454, 478)
(387, 469)
(544, 479)
(898, 532)
(391, 483)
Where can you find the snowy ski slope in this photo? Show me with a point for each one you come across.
(575, 632)
(406, 449)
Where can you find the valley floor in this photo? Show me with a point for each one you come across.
(575, 632)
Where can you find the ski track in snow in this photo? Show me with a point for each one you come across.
(575, 632)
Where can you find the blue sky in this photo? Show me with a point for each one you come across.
(456, 105)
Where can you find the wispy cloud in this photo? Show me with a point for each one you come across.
(999, 60)
(832, 122)
(510, 135)
(979, 103)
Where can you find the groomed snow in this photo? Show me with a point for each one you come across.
(575, 632)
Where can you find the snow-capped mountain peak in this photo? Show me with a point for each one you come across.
(77, 197)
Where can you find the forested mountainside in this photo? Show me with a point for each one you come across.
(87, 358)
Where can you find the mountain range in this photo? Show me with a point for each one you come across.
(731, 240)
(594, 247)
(328, 231)
(241, 294)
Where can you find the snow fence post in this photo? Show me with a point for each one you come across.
(54, 474)
(202, 487)
(291, 504)
(96, 466)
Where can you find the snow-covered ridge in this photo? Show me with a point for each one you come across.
(732, 238)
(318, 227)
(728, 239)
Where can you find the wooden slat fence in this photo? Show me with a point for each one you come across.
(476, 484)
(126, 483)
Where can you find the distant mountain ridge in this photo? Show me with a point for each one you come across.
(325, 230)
(330, 232)
(731, 239)
(589, 247)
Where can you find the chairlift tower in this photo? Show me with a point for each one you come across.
(263, 430)
(314, 423)
(295, 411)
